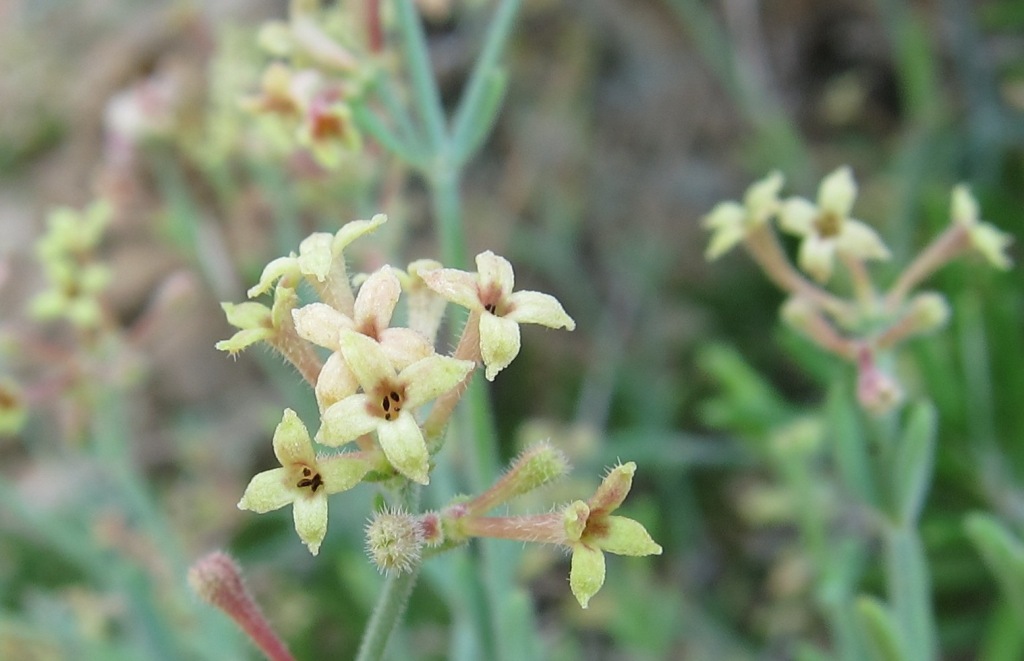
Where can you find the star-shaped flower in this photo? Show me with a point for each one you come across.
(730, 222)
(304, 480)
(489, 293)
(591, 529)
(386, 403)
(374, 305)
(985, 238)
(827, 227)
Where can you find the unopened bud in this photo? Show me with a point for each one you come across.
(877, 392)
(927, 312)
(535, 467)
(394, 541)
(217, 579)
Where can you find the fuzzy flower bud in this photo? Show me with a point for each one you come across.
(877, 392)
(394, 540)
(217, 579)
(535, 467)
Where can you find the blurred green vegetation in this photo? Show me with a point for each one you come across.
(623, 123)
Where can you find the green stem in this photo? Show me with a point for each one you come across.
(417, 59)
(393, 599)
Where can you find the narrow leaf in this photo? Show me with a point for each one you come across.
(1003, 552)
(913, 463)
(879, 628)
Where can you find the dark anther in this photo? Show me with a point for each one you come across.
(387, 416)
(386, 404)
(491, 307)
(306, 471)
(394, 395)
(313, 483)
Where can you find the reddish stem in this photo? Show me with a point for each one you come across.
(374, 29)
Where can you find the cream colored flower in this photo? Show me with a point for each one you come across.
(489, 292)
(374, 305)
(730, 222)
(304, 480)
(386, 403)
(591, 530)
(985, 238)
(827, 227)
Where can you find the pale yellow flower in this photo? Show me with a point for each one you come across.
(385, 406)
(304, 480)
(985, 238)
(489, 292)
(827, 228)
(730, 222)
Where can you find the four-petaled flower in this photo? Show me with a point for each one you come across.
(489, 293)
(387, 401)
(321, 324)
(827, 227)
(730, 222)
(985, 238)
(591, 529)
(304, 480)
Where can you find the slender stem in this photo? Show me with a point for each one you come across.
(393, 599)
(467, 349)
(939, 252)
(447, 206)
(763, 246)
(863, 287)
(417, 58)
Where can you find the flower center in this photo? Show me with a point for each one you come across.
(391, 404)
(310, 480)
(828, 225)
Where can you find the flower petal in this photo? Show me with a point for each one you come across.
(860, 240)
(797, 216)
(243, 339)
(992, 244)
(352, 230)
(613, 490)
(347, 420)
(376, 301)
(586, 573)
(815, 257)
(320, 324)
(278, 268)
(457, 286)
(964, 208)
(499, 343)
(762, 198)
(495, 271)
(403, 445)
(291, 441)
(725, 215)
(430, 377)
(315, 255)
(837, 192)
(310, 514)
(366, 359)
(247, 315)
(267, 491)
(531, 307)
(344, 471)
(335, 382)
(623, 536)
(404, 346)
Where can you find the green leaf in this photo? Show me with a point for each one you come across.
(1003, 553)
(914, 462)
(878, 626)
(475, 123)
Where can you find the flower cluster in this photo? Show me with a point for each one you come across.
(376, 378)
(863, 328)
(304, 95)
(75, 276)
